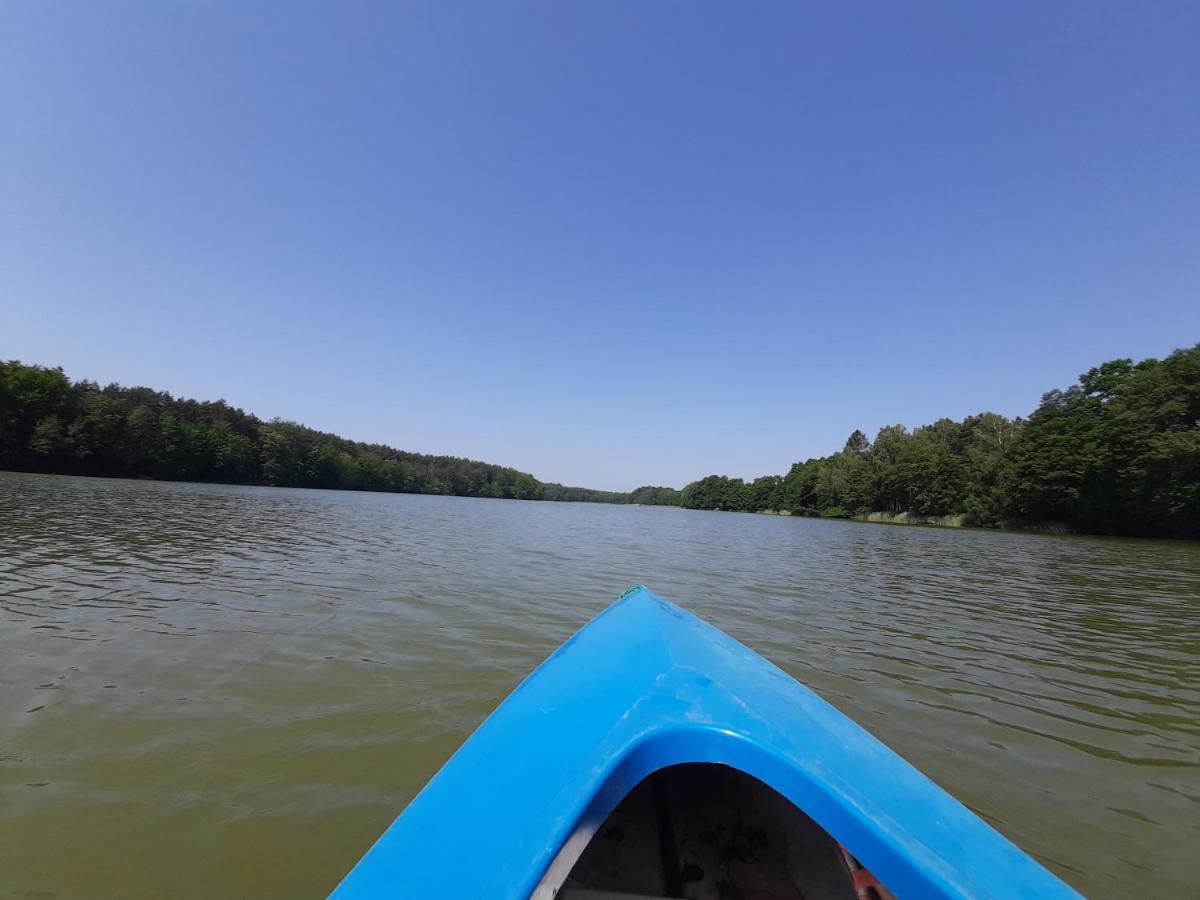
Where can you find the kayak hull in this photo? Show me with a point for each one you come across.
(645, 686)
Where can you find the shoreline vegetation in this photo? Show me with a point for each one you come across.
(1116, 453)
(954, 520)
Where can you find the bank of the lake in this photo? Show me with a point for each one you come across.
(950, 521)
(218, 691)
(1117, 453)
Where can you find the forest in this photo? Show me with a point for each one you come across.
(49, 423)
(1116, 453)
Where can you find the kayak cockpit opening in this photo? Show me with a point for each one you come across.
(710, 832)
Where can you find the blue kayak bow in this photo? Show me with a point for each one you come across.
(645, 686)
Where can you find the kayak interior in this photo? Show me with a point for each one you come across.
(706, 831)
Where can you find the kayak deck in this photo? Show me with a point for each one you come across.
(708, 832)
(645, 687)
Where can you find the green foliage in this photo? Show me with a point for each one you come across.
(1118, 453)
(656, 496)
(718, 492)
(50, 424)
(582, 495)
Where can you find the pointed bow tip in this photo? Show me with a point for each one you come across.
(631, 592)
(641, 611)
(642, 598)
(640, 594)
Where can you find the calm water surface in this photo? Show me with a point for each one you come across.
(223, 691)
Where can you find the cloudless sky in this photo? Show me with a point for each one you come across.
(609, 243)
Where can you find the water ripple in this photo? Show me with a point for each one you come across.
(271, 674)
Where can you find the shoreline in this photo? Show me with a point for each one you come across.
(955, 520)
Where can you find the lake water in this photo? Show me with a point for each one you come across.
(227, 691)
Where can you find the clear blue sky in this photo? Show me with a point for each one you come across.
(610, 243)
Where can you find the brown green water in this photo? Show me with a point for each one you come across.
(220, 691)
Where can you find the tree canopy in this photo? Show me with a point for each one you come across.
(1117, 453)
(49, 423)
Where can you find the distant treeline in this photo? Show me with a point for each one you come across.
(49, 423)
(1117, 453)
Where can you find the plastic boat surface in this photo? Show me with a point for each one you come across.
(645, 688)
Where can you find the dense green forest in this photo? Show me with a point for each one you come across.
(1117, 453)
(49, 423)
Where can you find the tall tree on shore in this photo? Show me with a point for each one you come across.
(50, 424)
(1117, 453)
